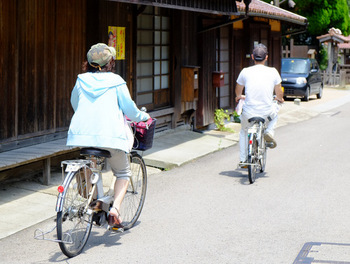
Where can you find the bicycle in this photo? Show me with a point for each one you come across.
(83, 186)
(257, 145)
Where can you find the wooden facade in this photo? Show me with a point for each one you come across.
(40, 56)
(171, 55)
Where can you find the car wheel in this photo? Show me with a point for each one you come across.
(320, 93)
(307, 94)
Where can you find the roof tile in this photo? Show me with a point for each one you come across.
(260, 7)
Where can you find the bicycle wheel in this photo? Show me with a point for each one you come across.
(262, 155)
(73, 222)
(252, 158)
(135, 195)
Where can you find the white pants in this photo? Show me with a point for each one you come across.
(243, 135)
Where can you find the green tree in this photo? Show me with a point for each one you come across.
(322, 14)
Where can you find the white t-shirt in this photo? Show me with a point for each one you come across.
(259, 82)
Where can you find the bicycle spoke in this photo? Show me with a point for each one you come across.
(135, 196)
(73, 223)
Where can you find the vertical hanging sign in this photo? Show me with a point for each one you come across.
(116, 39)
(120, 43)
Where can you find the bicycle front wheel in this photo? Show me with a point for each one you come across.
(135, 195)
(252, 158)
(73, 222)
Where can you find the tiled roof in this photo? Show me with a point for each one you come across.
(344, 45)
(334, 35)
(260, 8)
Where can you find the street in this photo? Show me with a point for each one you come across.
(207, 212)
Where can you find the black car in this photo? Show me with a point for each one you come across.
(301, 78)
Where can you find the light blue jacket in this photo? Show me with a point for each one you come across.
(100, 101)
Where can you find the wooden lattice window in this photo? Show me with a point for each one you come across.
(153, 59)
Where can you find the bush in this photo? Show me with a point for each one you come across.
(219, 119)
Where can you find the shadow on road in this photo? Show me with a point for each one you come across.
(242, 174)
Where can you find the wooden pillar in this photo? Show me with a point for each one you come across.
(47, 171)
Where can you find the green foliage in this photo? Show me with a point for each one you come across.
(219, 118)
(236, 117)
(324, 14)
(323, 58)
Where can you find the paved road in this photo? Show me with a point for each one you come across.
(207, 212)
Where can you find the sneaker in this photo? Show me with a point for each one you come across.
(270, 141)
(242, 164)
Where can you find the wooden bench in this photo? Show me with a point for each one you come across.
(40, 152)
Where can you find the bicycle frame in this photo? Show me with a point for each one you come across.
(256, 147)
(256, 129)
(96, 180)
(71, 167)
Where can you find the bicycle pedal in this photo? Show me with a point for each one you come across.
(242, 165)
(116, 229)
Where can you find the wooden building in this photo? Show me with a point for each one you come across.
(181, 58)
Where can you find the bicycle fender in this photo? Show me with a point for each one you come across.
(59, 203)
(250, 141)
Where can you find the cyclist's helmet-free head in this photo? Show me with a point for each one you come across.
(100, 54)
(260, 52)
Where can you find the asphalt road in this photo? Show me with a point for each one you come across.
(207, 212)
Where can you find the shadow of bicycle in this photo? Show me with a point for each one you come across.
(242, 175)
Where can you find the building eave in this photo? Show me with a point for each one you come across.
(230, 9)
(261, 9)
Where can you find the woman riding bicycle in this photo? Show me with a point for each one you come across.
(101, 100)
(260, 82)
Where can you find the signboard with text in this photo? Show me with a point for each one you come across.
(116, 39)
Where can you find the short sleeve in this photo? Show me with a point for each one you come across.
(278, 78)
(241, 78)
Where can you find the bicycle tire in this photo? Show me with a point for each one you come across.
(134, 199)
(73, 222)
(263, 157)
(252, 158)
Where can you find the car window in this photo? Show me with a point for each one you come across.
(296, 66)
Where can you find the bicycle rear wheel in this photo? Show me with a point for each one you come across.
(135, 195)
(73, 222)
(252, 158)
(263, 155)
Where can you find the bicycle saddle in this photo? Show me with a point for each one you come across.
(258, 119)
(95, 152)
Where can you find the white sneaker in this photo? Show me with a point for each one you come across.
(270, 141)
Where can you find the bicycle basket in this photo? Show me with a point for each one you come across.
(143, 134)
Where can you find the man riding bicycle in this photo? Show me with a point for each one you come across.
(260, 83)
